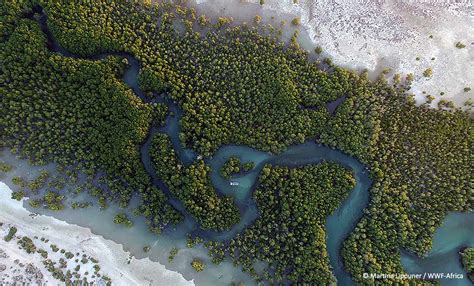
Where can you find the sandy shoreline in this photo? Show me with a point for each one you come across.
(355, 34)
(112, 259)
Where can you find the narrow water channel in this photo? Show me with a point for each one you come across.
(338, 225)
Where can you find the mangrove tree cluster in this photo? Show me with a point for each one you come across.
(236, 84)
(290, 233)
(467, 257)
(192, 186)
(234, 166)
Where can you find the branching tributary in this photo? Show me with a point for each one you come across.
(338, 225)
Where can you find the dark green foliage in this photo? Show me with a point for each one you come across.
(192, 241)
(54, 201)
(43, 253)
(19, 181)
(68, 255)
(460, 45)
(231, 166)
(27, 244)
(445, 104)
(354, 126)
(35, 203)
(11, 233)
(5, 168)
(295, 21)
(234, 166)
(421, 162)
(39, 181)
(55, 271)
(173, 253)
(54, 248)
(149, 82)
(236, 86)
(18, 195)
(81, 205)
(428, 72)
(274, 82)
(62, 263)
(78, 111)
(290, 230)
(57, 183)
(198, 265)
(123, 219)
(318, 50)
(217, 251)
(10, 13)
(158, 211)
(467, 256)
(192, 186)
(160, 111)
(101, 195)
(247, 166)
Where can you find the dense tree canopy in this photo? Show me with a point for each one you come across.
(467, 256)
(192, 185)
(422, 165)
(69, 111)
(233, 166)
(239, 85)
(290, 233)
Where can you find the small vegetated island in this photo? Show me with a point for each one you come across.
(234, 166)
(235, 84)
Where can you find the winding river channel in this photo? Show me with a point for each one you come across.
(338, 225)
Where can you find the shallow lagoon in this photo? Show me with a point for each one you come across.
(133, 239)
(456, 232)
(453, 235)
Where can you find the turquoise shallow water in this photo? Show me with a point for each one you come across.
(454, 234)
(338, 225)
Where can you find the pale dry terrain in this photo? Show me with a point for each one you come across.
(17, 265)
(376, 34)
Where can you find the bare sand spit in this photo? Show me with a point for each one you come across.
(17, 264)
